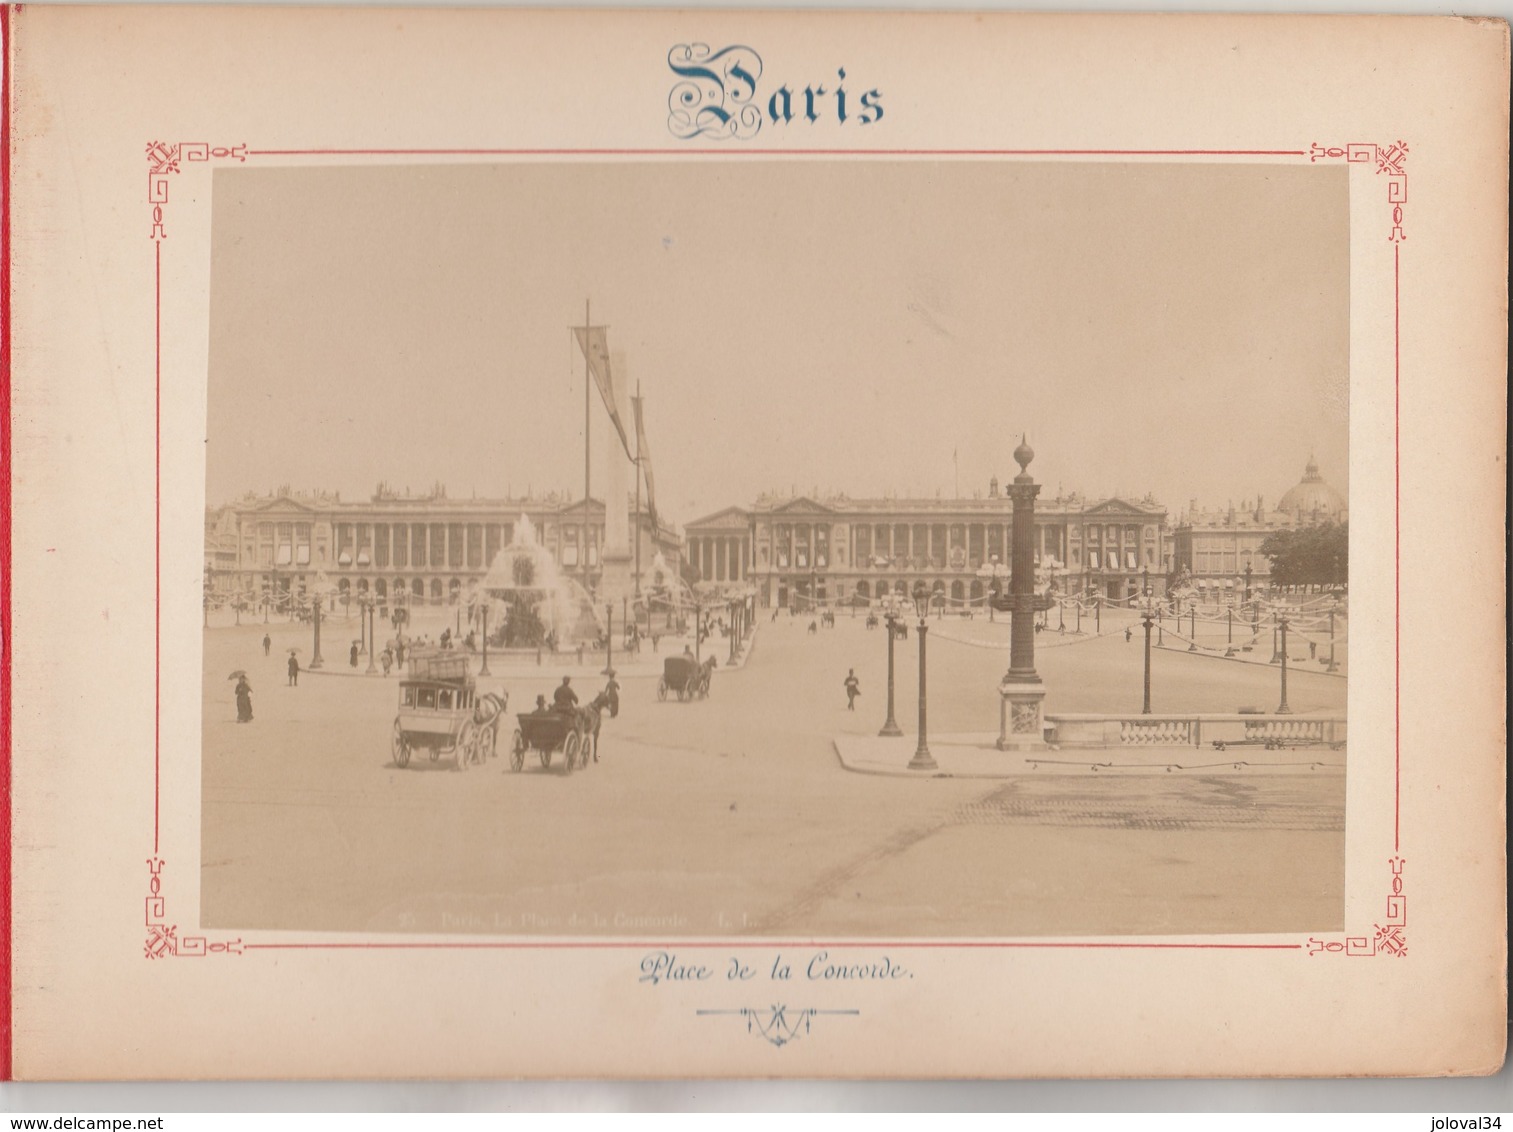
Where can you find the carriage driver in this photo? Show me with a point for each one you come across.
(564, 699)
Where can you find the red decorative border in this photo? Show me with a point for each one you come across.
(165, 158)
(163, 940)
(5, 548)
(1389, 160)
(1388, 939)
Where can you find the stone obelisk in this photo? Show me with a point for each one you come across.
(617, 580)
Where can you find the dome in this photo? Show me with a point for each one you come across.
(1312, 496)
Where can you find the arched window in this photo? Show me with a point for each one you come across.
(976, 591)
(435, 591)
(863, 589)
(957, 591)
(454, 590)
(418, 589)
(381, 590)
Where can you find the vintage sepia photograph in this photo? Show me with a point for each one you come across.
(868, 549)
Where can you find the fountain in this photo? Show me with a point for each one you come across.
(533, 602)
(665, 591)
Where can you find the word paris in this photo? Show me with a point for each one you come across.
(659, 967)
(718, 95)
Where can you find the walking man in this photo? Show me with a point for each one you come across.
(293, 671)
(267, 643)
(853, 689)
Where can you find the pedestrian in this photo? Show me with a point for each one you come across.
(612, 694)
(352, 659)
(267, 643)
(853, 689)
(243, 701)
(293, 671)
(399, 652)
(656, 640)
(1128, 634)
(388, 659)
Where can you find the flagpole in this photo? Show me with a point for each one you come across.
(587, 380)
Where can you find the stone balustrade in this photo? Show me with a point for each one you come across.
(1088, 730)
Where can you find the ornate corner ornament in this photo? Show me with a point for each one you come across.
(1388, 160)
(164, 158)
(163, 941)
(1388, 939)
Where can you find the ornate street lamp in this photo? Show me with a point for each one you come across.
(1149, 609)
(1282, 708)
(483, 669)
(1334, 606)
(609, 637)
(318, 593)
(367, 604)
(922, 759)
(891, 727)
(995, 573)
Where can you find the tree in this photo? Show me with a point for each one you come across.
(1314, 556)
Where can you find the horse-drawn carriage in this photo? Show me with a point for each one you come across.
(686, 677)
(441, 712)
(574, 731)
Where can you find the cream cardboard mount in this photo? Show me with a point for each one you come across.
(261, 261)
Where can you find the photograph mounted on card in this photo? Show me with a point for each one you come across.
(754, 552)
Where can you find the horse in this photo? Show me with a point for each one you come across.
(591, 717)
(487, 711)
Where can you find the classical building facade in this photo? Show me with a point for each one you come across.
(1215, 547)
(800, 550)
(415, 549)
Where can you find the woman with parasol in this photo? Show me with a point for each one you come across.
(243, 696)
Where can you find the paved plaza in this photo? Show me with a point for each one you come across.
(735, 815)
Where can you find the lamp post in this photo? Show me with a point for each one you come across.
(1333, 607)
(316, 660)
(483, 669)
(891, 727)
(922, 759)
(1192, 627)
(994, 572)
(1147, 607)
(370, 605)
(609, 637)
(1282, 708)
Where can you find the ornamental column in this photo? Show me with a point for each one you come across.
(1021, 694)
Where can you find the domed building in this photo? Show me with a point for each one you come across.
(1312, 502)
(1216, 547)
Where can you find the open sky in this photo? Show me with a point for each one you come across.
(861, 326)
